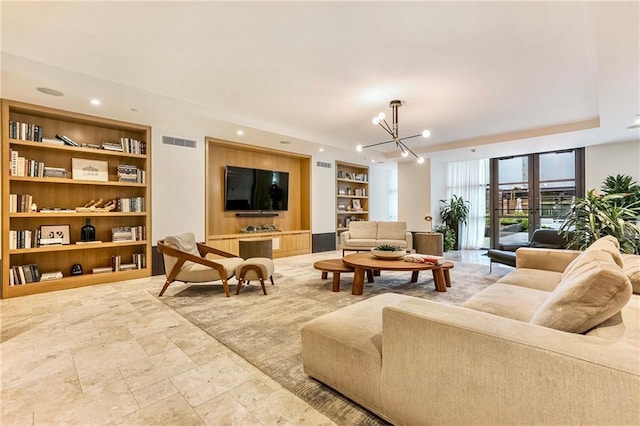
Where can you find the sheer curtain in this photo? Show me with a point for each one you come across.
(468, 179)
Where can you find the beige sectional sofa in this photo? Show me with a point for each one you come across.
(556, 341)
(365, 235)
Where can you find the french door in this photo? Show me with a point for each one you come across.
(532, 191)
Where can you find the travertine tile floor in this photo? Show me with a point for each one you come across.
(114, 354)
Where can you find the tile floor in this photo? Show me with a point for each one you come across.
(114, 354)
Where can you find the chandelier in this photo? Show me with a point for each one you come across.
(393, 132)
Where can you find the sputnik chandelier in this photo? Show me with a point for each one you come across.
(393, 131)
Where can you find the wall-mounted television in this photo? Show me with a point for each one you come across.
(247, 189)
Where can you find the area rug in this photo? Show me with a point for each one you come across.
(265, 330)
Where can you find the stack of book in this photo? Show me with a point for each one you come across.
(133, 146)
(128, 233)
(58, 172)
(20, 239)
(25, 131)
(102, 269)
(112, 146)
(20, 203)
(139, 260)
(135, 204)
(24, 274)
(130, 173)
(52, 141)
(21, 166)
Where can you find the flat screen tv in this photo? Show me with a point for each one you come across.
(247, 189)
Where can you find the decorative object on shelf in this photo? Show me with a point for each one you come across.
(393, 132)
(88, 232)
(387, 251)
(34, 207)
(94, 206)
(355, 204)
(55, 231)
(84, 169)
(76, 269)
(259, 228)
(349, 191)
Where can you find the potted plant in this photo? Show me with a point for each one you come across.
(448, 237)
(454, 212)
(598, 215)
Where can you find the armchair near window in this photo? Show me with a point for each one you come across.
(189, 261)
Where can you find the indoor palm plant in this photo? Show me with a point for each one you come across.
(454, 212)
(611, 213)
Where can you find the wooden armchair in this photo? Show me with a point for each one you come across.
(186, 260)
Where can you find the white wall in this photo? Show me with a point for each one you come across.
(438, 188)
(610, 160)
(414, 194)
(323, 196)
(382, 196)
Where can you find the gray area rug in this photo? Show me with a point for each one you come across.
(265, 330)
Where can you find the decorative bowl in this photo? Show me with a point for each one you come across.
(385, 254)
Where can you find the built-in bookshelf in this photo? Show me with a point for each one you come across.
(60, 171)
(352, 194)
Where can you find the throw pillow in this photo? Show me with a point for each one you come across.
(631, 269)
(607, 244)
(594, 291)
(363, 230)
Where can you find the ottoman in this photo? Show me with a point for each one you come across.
(255, 268)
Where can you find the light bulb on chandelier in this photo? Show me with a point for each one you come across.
(379, 120)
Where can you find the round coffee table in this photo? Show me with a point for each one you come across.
(366, 261)
(336, 267)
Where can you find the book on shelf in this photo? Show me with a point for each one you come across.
(20, 203)
(133, 146)
(24, 274)
(88, 242)
(50, 276)
(56, 210)
(140, 260)
(128, 266)
(127, 205)
(52, 141)
(42, 242)
(128, 233)
(116, 260)
(91, 146)
(112, 146)
(25, 131)
(58, 172)
(102, 269)
(20, 239)
(130, 173)
(67, 140)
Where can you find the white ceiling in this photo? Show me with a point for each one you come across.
(476, 74)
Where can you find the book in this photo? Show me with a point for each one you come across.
(102, 269)
(67, 140)
(88, 242)
(53, 141)
(50, 276)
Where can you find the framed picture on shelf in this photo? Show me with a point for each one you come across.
(55, 232)
(355, 204)
(83, 169)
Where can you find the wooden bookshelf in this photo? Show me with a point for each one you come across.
(68, 193)
(352, 188)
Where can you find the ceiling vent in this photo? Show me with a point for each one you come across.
(323, 164)
(170, 140)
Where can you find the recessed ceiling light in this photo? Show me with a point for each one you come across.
(285, 142)
(95, 102)
(240, 132)
(48, 91)
(321, 150)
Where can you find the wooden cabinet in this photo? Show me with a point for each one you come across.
(352, 194)
(285, 243)
(55, 199)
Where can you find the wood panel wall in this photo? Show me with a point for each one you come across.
(220, 154)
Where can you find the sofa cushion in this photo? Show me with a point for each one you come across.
(631, 268)
(392, 231)
(606, 244)
(509, 301)
(361, 243)
(363, 229)
(537, 279)
(592, 292)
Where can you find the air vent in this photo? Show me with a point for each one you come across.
(170, 140)
(323, 164)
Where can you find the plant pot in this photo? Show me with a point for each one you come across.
(384, 254)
